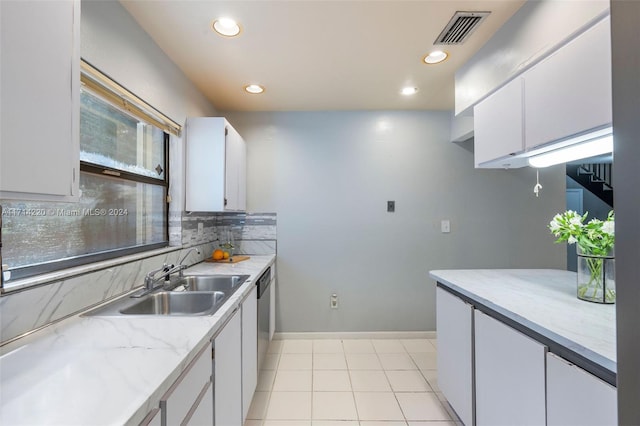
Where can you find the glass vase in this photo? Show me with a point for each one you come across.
(596, 277)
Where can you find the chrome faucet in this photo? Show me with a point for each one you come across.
(181, 264)
(152, 279)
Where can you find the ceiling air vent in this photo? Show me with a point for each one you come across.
(460, 27)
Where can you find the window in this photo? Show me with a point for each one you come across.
(123, 182)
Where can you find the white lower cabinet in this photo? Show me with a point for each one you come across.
(272, 306)
(455, 353)
(154, 418)
(185, 395)
(228, 373)
(202, 414)
(249, 350)
(510, 375)
(576, 397)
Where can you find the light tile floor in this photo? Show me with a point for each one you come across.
(350, 382)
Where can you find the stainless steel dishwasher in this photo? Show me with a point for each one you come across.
(264, 307)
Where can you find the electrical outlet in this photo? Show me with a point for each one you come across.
(391, 206)
(200, 228)
(445, 226)
(334, 301)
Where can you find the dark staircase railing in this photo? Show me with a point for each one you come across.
(594, 177)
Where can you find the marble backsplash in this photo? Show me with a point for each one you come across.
(253, 233)
(35, 307)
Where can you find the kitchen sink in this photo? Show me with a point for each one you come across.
(226, 283)
(177, 303)
(203, 295)
(164, 303)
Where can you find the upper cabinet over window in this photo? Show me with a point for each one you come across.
(216, 166)
(40, 73)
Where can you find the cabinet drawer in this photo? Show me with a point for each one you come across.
(179, 399)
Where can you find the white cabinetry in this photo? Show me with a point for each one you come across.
(455, 353)
(202, 414)
(216, 166)
(228, 373)
(186, 395)
(249, 350)
(40, 102)
(272, 303)
(567, 94)
(498, 124)
(575, 397)
(510, 375)
(154, 418)
(570, 91)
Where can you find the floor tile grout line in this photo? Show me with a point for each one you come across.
(348, 371)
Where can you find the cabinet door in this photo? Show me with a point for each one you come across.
(249, 350)
(202, 414)
(570, 92)
(575, 397)
(455, 353)
(184, 393)
(154, 418)
(205, 171)
(510, 375)
(272, 307)
(40, 102)
(216, 166)
(498, 124)
(235, 171)
(228, 373)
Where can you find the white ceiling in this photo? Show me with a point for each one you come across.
(317, 55)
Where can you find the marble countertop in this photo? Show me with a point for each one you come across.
(109, 370)
(544, 303)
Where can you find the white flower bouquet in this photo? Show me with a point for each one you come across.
(595, 241)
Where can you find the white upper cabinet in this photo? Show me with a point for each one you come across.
(40, 102)
(498, 124)
(216, 166)
(570, 91)
(566, 94)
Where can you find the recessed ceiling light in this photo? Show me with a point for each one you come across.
(408, 91)
(435, 57)
(226, 27)
(254, 89)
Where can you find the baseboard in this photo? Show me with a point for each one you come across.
(356, 335)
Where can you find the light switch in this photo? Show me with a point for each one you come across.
(445, 226)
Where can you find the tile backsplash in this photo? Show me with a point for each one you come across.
(253, 233)
(35, 307)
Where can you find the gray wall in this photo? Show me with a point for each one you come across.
(625, 31)
(328, 176)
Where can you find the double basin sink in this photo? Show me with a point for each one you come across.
(202, 295)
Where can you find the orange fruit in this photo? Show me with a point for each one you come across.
(217, 254)
(225, 255)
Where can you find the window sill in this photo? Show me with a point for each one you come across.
(26, 283)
